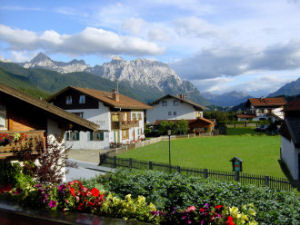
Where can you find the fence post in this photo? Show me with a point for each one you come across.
(267, 181)
(150, 165)
(130, 163)
(205, 173)
(237, 176)
(178, 169)
(115, 161)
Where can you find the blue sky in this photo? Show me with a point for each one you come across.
(250, 45)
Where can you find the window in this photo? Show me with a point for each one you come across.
(80, 114)
(125, 117)
(139, 115)
(175, 102)
(125, 134)
(2, 117)
(115, 117)
(82, 99)
(164, 103)
(97, 135)
(169, 113)
(133, 116)
(72, 135)
(198, 114)
(174, 113)
(69, 100)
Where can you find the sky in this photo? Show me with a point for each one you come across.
(251, 46)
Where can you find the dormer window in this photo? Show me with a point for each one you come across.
(164, 103)
(82, 99)
(69, 100)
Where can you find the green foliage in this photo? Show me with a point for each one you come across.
(171, 190)
(8, 173)
(220, 116)
(179, 127)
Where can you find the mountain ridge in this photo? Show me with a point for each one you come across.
(137, 74)
(290, 89)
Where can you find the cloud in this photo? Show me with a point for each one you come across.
(237, 60)
(134, 25)
(89, 41)
(196, 27)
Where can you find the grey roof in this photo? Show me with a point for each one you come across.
(293, 124)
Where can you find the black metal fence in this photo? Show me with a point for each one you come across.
(244, 178)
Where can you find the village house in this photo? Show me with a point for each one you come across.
(35, 119)
(121, 119)
(263, 109)
(176, 108)
(290, 138)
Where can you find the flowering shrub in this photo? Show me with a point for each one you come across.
(209, 215)
(129, 208)
(6, 138)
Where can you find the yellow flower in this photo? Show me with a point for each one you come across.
(253, 223)
(244, 218)
(251, 212)
(128, 197)
(141, 199)
(152, 207)
(234, 211)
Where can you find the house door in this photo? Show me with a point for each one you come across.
(116, 136)
(133, 134)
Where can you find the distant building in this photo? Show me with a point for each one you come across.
(290, 138)
(265, 108)
(175, 108)
(170, 107)
(121, 119)
(37, 119)
(245, 117)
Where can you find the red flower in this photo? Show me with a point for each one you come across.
(72, 190)
(101, 197)
(95, 192)
(218, 206)
(229, 221)
(202, 210)
(80, 206)
(91, 204)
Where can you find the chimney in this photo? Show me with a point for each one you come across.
(181, 96)
(115, 95)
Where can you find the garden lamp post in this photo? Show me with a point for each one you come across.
(169, 134)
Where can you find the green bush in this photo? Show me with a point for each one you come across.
(176, 190)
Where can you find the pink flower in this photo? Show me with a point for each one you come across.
(191, 209)
(52, 204)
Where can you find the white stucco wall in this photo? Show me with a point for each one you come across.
(101, 117)
(160, 112)
(2, 117)
(289, 155)
(53, 129)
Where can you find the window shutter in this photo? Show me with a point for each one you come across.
(101, 135)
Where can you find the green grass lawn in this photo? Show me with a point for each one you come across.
(260, 153)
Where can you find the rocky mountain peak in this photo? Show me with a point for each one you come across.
(39, 58)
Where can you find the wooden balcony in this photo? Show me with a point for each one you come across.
(34, 142)
(124, 124)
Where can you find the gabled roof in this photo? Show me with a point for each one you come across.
(106, 97)
(292, 129)
(246, 116)
(267, 102)
(294, 105)
(49, 108)
(197, 106)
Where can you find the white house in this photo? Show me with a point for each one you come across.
(121, 119)
(171, 107)
(290, 138)
(265, 108)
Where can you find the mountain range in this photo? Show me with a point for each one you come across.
(143, 79)
(227, 99)
(148, 78)
(289, 89)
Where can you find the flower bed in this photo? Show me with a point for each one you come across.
(73, 196)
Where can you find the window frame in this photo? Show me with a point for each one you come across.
(69, 100)
(82, 99)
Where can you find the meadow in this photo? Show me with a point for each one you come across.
(260, 153)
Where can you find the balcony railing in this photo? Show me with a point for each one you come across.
(125, 124)
(30, 141)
